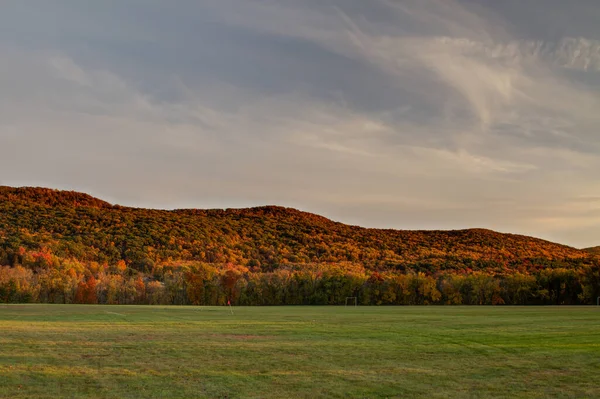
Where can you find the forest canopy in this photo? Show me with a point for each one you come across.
(71, 247)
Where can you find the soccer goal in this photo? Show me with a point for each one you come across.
(351, 301)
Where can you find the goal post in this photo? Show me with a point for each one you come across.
(351, 301)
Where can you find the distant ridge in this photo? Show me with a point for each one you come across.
(593, 250)
(50, 197)
(78, 225)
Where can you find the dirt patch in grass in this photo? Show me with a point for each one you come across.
(95, 355)
(242, 337)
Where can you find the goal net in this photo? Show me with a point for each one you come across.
(351, 301)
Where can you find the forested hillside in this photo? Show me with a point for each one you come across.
(593, 250)
(76, 225)
(75, 238)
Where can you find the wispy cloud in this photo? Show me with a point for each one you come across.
(400, 114)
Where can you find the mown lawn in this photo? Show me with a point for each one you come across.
(77, 351)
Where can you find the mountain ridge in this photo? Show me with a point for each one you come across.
(593, 250)
(77, 225)
(58, 197)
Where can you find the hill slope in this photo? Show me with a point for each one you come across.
(593, 250)
(77, 225)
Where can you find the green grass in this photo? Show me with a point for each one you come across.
(76, 351)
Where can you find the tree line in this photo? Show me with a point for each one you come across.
(195, 283)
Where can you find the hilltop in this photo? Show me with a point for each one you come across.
(593, 250)
(77, 225)
(50, 197)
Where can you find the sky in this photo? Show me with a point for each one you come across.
(407, 114)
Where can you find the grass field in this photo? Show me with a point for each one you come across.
(73, 351)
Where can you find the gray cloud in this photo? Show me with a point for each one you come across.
(405, 114)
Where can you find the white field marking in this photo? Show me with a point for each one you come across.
(118, 314)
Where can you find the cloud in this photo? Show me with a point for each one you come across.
(406, 114)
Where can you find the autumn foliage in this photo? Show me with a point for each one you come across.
(67, 247)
